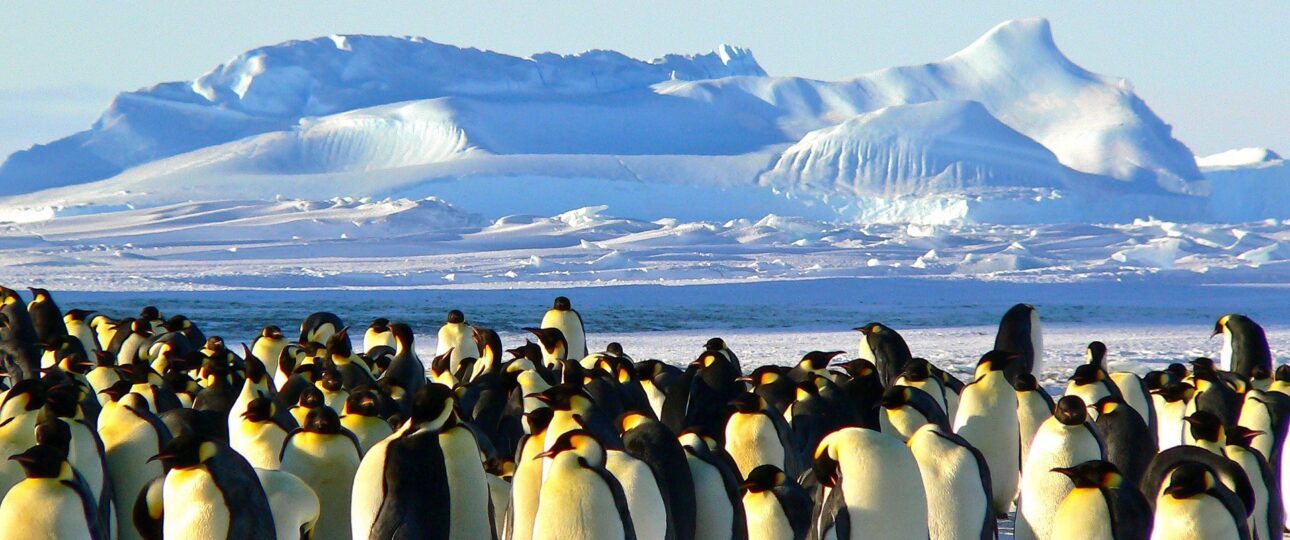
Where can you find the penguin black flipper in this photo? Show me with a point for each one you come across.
(797, 507)
(1130, 512)
(416, 503)
(148, 513)
(793, 459)
(830, 515)
(247, 503)
(654, 444)
(676, 400)
(1234, 505)
(1158, 472)
(163, 432)
(725, 465)
(89, 505)
(620, 498)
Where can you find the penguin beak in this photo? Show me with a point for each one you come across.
(744, 379)
(162, 456)
(1069, 473)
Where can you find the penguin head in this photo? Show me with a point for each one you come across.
(433, 405)
(488, 342)
(1203, 368)
(709, 359)
(1260, 373)
(76, 315)
(379, 325)
(271, 332)
(995, 361)
(117, 390)
(63, 401)
(1176, 371)
(764, 478)
(1154, 380)
(256, 372)
(1189, 480)
(1070, 411)
(858, 368)
(25, 395)
(539, 419)
(615, 348)
(149, 313)
(895, 397)
(806, 390)
(55, 434)
(260, 409)
(566, 397)
(339, 347)
(1088, 374)
(763, 375)
(322, 420)
(562, 304)
(43, 461)
(455, 317)
(1282, 374)
(312, 398)
(631, 420)
(38, 295)
(177, 323)
(1241, 436)
(917, 370)
(363, 401)
(715, 344)
(330, 381)
(1176, 391)
(748, 403)
(1095, 354)
(500, 467)
(1093, 474)
(141, 327)
(187, 451)
(402, 336)
(1221, 325)
(9, 296)
(582, 443)
(1205, 426)
(1026, 382)
(552, 340)
(1107, 404)
(818, 360)
(826, 466)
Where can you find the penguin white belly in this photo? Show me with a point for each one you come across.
(713, 512)
(378, 339)
(656, 397)
(1090, 393)
(1037, 343)
(576, 503)
(1200, 517)
(468, 484)
(1083, 515)
(42, 509)
(956, 501)
(1042, 490)
(83, 334)
(766, 519)
(1258, 521)
(1032, 411)
(499, 492)
(259, 442)
(1255, 416)
(194, 506)
(100, 378)
(570, 324)
(293, 503)
(128, 443)
(327, 464)
(368, 492)
(369, 430)
(561, 422)
(644, 500)
(1130, 387)
(460, 339)
(751, 440)
(526, 485)
(1169, 422)
(1225, 357)
(83, 454)
(883, 489)
(268, 351)
(987, 418)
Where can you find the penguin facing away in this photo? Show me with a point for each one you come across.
(987, 418)
(1194, 504)
(1245, 345)
(1020, 333)
(1101, 506)
(886, 349)
(212, 493)
(956, 479)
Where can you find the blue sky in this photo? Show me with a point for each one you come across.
(1218, 72)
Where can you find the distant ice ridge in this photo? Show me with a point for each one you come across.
(1008, 130)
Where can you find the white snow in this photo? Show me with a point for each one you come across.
(1239, 157)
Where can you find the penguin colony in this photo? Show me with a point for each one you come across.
(143, 427)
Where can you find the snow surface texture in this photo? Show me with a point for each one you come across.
(1008, 130)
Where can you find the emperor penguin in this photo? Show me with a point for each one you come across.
(1135, 395)
(1280, 380)
(268, 347)
(1215, 393)
(554, 346)
(1034, 406)
(568, 321)
(435, 458)
(905, 409)
(643, 494)
(293, 503)
(457, 338)
(777, 508)
(719, 510)
(259, 434)
(772, 384)
(1020, 333)
(378, 335)
(1065, 440)
(813, 363)
(406, 374)
(74, 320)
(1170, 403)
(211, 492)
(956, 479)
(886, 349)
(1267, 517)
(325, 456)
(500, 472)
(702, 395)
(362, 418)
(580, 498)
(919, 374)
(1245, 346)
(756, 435)
(1103, 505)
(131, 435)
(84, 447)
(987, 418)
(873, 480)
(719, 346)
(655, 378)
(526, 483)
(50, 502)
(1267, 415)
(1091, 383)
(319, 327)
(654, 444)
(21, 410)
(1122, 432)
(1196, 505)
